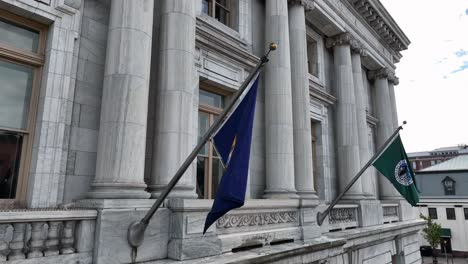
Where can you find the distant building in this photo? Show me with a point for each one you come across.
(425, 159)
(444, 197)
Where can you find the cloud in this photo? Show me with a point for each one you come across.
(462, 67)
(461, 53)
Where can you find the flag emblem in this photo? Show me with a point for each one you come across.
(403, 174)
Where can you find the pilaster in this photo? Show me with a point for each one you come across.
(300, 97)
(174, 139)
(122, 131)
(347, 141)
(278, 105)
(385, 127)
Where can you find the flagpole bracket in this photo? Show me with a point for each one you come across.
(320, 218)
(135, 234)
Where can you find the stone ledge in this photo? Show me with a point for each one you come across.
(115, 203)
(268, 254)
(82, 258)
(45, 215)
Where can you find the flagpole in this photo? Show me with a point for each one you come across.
(136, 230)
(322, 215)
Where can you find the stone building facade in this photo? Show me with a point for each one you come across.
(101, 101)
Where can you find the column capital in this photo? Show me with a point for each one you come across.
(357, 47)
(394, 79)
(343, 39)
(308, 4)
(379, 74)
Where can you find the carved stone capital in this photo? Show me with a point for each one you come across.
(342, 39)
(393, 79)
(379, 74)
(308, 4)
(357, 47)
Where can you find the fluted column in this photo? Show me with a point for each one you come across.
(391, 89)
(383, 111)
(361, 101)
(124, 108)
(300, 100)
(278, 105)
(347, 141)
(174, 139)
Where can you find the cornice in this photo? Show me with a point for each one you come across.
(222, 42)
(375, 14)
(322, 96)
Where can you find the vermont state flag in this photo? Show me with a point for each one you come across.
(393, 163)
(232, 142)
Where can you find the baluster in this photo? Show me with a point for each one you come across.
(36, 243)
(3, 242)
(68, 238)
(52, 242)
(17, 243)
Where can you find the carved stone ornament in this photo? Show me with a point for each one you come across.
(308, 4)
(393, 79)
(379, 74)
(259, 219)
(357, 47)
(342, 39)
(342, 215)
(390, 211)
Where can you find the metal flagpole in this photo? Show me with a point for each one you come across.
(137, 229)
(321, 215)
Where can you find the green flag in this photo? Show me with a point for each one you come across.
(394, 165)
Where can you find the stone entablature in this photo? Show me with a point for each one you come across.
(308, 4)
(379, 19)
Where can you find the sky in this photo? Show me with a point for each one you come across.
(433, 92)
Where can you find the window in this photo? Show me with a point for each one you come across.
(312, 57)
(314, 128)
(432, 213)
(449, 186)
(21, 56)
(209, 166)
(450, 213)
(432, 162)
(465, 210)
(219, 9)
(414, 164)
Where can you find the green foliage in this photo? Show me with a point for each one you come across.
(432, 232)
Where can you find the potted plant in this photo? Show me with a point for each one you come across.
(432, 233)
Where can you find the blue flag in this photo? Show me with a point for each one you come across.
(232, 143)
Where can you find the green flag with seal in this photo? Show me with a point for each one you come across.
(393, 163)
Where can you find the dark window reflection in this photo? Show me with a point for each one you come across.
(10, 153)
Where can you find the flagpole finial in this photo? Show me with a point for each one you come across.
(404, 122)
(273, 46)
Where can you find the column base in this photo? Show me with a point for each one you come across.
(117, 191)
(307, 195)
(280, 194)
(179, 191)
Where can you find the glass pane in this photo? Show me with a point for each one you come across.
(203, 126)
(217, 174)
(17, 36)
(221, 14)
(211, 99)
(206, 7)
(15, 94)
(201, 177)
(10, 152)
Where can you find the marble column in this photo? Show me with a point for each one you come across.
(385, 127)
(174, 137)
(391, 89)
(278, 105)
(347, 140)
(361, 115)
(300, 100)
(124, 107)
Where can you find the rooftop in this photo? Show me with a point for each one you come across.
(455, 164)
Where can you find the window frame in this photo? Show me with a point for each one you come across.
(212, 112)
(465, 211)
(212, 11)
(447, 213)
(448, 191)
(434, 210)
(311, 35)
(36, 62)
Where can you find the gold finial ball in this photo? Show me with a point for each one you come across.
(404, 122)
(273, 46)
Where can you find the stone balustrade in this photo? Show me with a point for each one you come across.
(343, 216)
(61, 236)
(390, 213)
